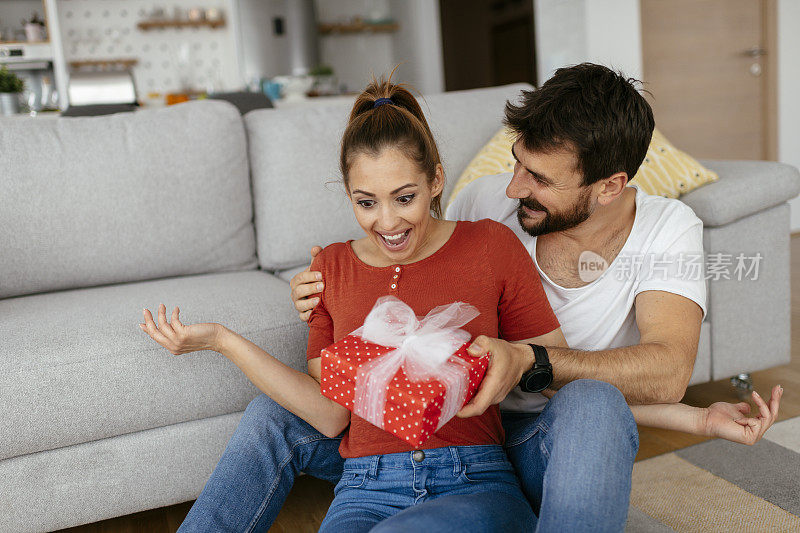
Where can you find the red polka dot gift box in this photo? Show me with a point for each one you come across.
(414, 383)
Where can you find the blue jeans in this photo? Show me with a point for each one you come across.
(457, 488)
(574, 462)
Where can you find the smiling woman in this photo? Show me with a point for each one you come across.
(391, 201)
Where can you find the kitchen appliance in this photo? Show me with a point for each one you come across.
(101, 87)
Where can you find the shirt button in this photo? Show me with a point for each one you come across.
(394, 285)
(397, 269)
(395, 276)
(418, 455)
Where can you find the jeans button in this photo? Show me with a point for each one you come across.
(418, 455)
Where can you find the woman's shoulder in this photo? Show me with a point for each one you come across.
(330, 255)
(488, 228)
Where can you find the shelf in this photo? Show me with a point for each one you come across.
(23, 42)
(126, 63)
(357, 27)
(152, 24)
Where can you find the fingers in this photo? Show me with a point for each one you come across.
(486, 396)
(151, 329)
(163, 325)
(315, 251)
(762, 406)
(306, 276)
(480, 346)
(743, 407)
(775, 400)
(175, 322)
(301, 292)
(305, 316)
(306, 305)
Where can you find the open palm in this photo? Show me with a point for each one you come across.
(730, 421)
(177, 337)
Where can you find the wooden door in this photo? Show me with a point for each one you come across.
(487, 43)
(709, 65)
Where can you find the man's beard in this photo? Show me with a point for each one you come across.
(554, 222)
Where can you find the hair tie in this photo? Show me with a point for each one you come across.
(380, 101)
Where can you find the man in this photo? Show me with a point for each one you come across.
(633, 331)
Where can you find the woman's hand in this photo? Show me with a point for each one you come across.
(729, 421)
(179, 338)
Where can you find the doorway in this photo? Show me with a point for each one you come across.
(710, 66)
(487, 43)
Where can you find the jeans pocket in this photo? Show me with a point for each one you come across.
(352, 479)
(497, 471)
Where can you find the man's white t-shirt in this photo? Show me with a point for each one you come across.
(664, 252)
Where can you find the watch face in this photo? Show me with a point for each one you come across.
(538, 381)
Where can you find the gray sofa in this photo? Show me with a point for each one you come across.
(196, 206)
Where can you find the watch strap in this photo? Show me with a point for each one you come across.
(540, 355)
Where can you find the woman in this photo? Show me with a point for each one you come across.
(460, 476)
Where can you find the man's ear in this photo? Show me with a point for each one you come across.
(612, 187)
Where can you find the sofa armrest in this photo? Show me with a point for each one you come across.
(744, 188)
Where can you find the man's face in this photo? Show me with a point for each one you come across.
(550, 190)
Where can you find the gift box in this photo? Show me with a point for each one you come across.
(406, 375)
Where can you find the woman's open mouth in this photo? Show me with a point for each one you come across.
(397, 241)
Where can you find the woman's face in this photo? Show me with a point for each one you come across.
(391, 199)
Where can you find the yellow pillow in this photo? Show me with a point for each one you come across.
(665, 171)
(494, 158)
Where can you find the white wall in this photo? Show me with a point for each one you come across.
(560, 32)
(201, 58)
(355, 57)
(262, 53)
(418, 44)
(789, 91)
(607, 32)
(614, 35)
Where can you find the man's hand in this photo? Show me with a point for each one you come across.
(304, 286)
(507, 364)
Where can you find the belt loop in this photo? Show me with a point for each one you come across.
(373, 467)
(456, 460)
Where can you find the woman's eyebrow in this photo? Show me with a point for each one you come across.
(365, 193)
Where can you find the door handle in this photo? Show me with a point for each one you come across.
(754, 52)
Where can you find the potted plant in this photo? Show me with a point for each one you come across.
(10, 87)
(324, 81)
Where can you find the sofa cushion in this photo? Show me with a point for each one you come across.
(76, 367)
(744, 188)
(298, 199)
(96, 200)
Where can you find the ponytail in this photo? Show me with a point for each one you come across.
(386, 115)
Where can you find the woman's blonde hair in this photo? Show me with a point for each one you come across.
(386, 115)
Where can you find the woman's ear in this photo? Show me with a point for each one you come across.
(438, 181)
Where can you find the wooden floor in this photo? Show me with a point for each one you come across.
(310, 497)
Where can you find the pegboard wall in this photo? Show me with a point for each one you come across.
(170, 59)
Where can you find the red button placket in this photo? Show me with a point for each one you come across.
(395, 281)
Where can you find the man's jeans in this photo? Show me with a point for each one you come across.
(574, 462)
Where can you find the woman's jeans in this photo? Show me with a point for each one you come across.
(574, 462)
(457, 488)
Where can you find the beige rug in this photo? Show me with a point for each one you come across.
(721, 486)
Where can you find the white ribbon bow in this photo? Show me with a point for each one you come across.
(422, 349)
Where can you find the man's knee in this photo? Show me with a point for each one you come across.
(598, 408)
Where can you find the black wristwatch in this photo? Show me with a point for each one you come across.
(540, 376)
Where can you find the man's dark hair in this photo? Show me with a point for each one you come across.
(591, 109)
